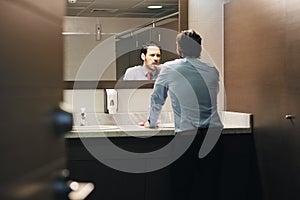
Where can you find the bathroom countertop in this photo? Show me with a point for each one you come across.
(138, 131)
(234, 123)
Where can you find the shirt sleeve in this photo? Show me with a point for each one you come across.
(127, 75)
(158, 97)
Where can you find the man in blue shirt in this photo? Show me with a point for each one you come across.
(150, 55)
(193, 86)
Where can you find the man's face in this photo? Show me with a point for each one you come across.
(152, 58)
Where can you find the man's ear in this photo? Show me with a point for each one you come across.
(143, 56)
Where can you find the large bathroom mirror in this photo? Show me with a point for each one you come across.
(102, 38)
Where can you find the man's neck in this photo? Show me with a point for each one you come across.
(147, 69)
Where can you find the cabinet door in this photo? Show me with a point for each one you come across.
(31, 87)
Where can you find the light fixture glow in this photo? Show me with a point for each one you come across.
(154, 7)
(74, 185)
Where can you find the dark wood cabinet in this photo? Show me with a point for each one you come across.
(238, 169)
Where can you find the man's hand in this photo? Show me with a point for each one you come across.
(157, 67)
(147, 125)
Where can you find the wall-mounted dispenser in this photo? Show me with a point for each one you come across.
(112, 101)
(82, 116)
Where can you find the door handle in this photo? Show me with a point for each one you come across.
(290, 116)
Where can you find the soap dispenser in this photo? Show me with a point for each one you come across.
(82, 117)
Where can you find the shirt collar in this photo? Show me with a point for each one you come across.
(146, 72)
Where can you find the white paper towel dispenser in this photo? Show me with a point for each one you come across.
(112, 101)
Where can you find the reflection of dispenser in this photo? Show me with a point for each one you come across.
(112, 101)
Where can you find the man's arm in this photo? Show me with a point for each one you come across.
(158, 98)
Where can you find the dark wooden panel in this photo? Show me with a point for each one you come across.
(238, 169)
(31, 88)
(262, 77)
(292, 93)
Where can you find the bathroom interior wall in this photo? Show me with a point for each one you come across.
(93, 102)
(206, 17)
(129, 100)
(137, 100)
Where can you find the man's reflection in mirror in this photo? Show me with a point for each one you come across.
(150, 55)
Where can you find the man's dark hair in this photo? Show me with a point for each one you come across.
(148, 44)
(189, 44)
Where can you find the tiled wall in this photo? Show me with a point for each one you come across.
(129, 101)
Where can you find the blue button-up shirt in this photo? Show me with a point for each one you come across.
(193, 86)
(139, 73)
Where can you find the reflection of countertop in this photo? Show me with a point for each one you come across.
(97, 131)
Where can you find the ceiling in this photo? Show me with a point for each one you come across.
(120, 8)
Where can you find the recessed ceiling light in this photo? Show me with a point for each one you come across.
(154, 7)
(72, 1)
